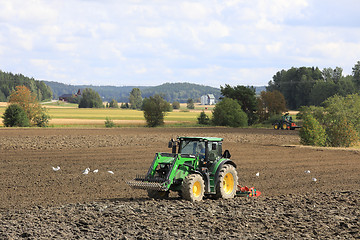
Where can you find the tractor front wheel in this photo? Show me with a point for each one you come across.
(193, 188)
(158, 194)
(227, 182)
(276, 126)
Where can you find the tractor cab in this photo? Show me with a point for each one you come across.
(207, 149)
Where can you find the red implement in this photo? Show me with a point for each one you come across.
(247, 192)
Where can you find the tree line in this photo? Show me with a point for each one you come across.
(307, 86)
(9, 81)
(171, 92)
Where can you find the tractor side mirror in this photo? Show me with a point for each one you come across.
(172, 145)
(226, 154)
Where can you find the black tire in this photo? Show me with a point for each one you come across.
(158, 194)
(284, 126)
(276, 126)
(193, 188)
(227, 182)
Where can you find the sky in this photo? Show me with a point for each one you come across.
(151, 42)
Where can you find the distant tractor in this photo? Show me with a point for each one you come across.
(285, 123)
(197, 167)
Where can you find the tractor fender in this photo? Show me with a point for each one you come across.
(219, 167)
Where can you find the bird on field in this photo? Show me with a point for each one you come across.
(111, 172)
(86, 171)
(257, 174)
(314, 179)
(96, 170)
(56, 168)
(307, 171)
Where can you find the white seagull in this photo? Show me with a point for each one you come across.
(56, 168)
(86, 171)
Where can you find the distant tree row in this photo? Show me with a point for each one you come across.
(181, 92)
(171, 92)
(9, 81)
(307, 86)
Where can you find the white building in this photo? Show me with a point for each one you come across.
(207, 99)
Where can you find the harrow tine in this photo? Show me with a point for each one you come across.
(138, 184)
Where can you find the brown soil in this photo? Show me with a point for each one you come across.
(37, 202)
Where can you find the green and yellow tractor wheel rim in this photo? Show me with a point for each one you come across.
(228, 183)
(196, 189)
(284, 126)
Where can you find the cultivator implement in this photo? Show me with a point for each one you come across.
(156, 184)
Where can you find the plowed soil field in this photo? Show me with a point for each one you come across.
(37, 202)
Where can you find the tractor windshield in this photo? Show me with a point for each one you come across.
(192, 147)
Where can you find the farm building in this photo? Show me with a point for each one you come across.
(66, 97)
(207, 99)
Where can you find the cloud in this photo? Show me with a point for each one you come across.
(151, 42)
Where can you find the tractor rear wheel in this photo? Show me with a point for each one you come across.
(193, 188)
(158, 194)
(284, 126)
(227, 182)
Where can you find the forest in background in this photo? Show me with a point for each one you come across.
(171, 92)
(8, 82)
(306, 86)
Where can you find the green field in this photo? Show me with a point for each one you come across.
(115, 114)
(87, 116)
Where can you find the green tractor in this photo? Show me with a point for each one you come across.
(285, 123)
(197, 167)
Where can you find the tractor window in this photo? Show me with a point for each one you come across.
(192, 147)
(215, 150)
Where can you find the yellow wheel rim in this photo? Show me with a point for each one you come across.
(284, 126)
(276, 126)
(196, 189)
(228, 183)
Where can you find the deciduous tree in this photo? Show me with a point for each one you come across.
(90, 99)
(176, 105)
(135, 98)
(36, 114)
(155, 108)
(15, 116)
(356, 74)
(190, 103)
(270, 103)
(113, 104)
(228, 112)
(246, 97)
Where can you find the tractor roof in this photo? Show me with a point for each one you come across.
(202, 139)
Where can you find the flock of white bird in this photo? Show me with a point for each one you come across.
(86, 171)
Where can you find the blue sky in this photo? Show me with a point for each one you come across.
(150, 42)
